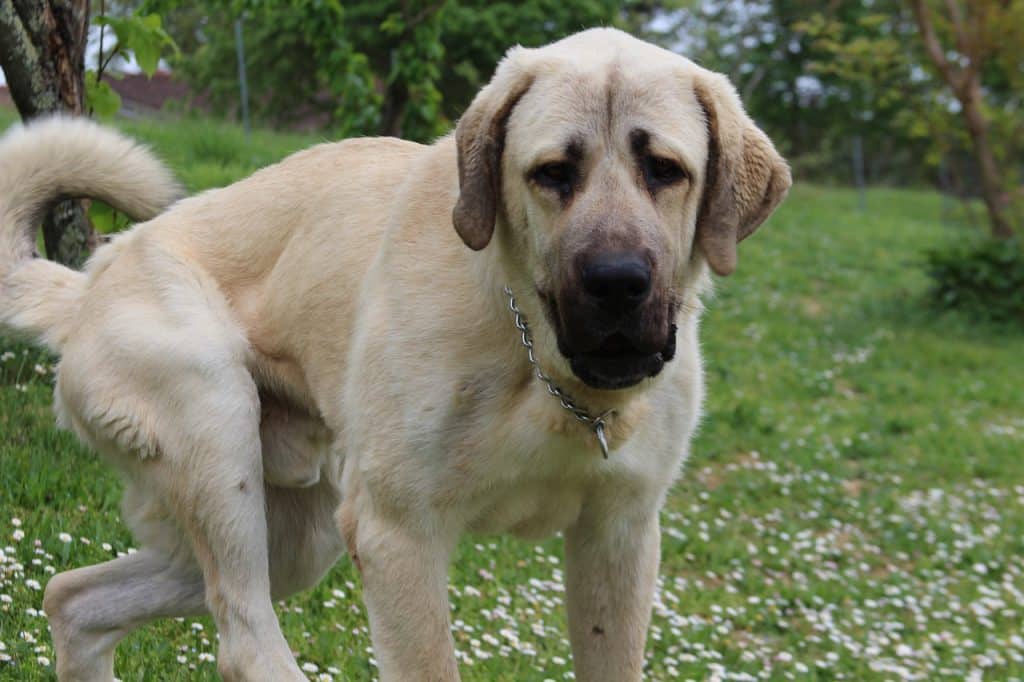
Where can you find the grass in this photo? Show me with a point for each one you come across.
(853, 510)
(206, 153)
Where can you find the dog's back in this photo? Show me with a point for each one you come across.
(237, 236)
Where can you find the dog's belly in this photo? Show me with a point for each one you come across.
(295, 443)
(304, 538)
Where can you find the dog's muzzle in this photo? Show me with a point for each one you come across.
(613, 326)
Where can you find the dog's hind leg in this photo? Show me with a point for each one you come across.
(211, 476)
(91, 609)
(160, 382)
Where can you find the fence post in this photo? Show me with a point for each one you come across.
(945, 188)
(858, 172)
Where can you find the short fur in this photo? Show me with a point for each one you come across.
(311, 360)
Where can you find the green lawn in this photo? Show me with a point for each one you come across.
(854, 508)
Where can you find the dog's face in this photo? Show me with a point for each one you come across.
(615, 171)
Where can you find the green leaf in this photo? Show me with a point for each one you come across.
(393, 24)
(105, 219)
(147, 54)
(141, 35)
(100, 97)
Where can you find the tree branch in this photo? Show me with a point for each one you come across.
(103, 29)
(935, 52)
(956, 17)
(423, 15)
(104, 62)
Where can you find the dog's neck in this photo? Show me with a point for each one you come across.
(608, 418)
(598, 423)
(621, 411)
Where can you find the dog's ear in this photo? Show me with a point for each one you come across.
(745, 178)
(480, 138)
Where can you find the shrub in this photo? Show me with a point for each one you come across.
(983, 277)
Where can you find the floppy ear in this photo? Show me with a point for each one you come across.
(480, 138)
(745, 178)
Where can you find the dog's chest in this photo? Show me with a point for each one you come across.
(526, 472)
(503, 456)
(513, 460)
(530, 510)
(531, 493)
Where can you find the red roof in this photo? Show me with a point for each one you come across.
(149, 93)
(139, 92)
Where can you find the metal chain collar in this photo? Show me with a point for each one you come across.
(597, 424)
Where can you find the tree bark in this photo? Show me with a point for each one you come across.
(42, 53)
(991, 179)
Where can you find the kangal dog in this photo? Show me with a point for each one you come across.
(311, 361)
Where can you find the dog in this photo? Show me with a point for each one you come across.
(311, 362)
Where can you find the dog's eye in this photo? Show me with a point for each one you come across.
(557, 175)
(660, 171)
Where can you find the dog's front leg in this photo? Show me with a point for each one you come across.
(404, 564)
(612, 555)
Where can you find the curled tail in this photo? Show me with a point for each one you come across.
(42, 162)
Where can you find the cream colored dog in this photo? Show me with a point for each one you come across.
(312, 360)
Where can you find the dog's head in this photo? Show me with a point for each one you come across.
(615, 171)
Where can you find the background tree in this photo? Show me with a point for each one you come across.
(819, 74)
(369, 67)
(782, 55)
(476, 34)
(42, 53)
(965, 42)
(301, 61)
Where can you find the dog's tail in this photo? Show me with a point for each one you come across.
(51, 159)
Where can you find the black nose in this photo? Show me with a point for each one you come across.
(617, 282)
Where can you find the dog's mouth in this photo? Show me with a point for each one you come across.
(615, 360)
(618, 363)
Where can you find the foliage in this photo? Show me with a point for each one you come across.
(402, 44)
(135, 35)
(984, 277)
(818, 74)
(476, 34)
(967, 46)
(815, 74)
(766, 51)
(390, 67)
(863, 58)
(139, 35)
(299, 64)
(857, 473)
(884, 61)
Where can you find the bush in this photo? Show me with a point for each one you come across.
(984, 277)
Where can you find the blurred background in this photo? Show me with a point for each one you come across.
(901, 93)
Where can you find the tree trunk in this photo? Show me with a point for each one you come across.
(991, 184)
(396, 98)
(42, 53)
